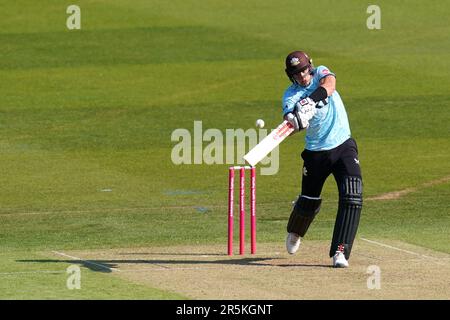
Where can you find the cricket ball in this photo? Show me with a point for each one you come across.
(260, 123)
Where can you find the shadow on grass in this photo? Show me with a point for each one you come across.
(108, 266)
(169, 254)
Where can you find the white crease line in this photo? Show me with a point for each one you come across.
(398, 249)
(85, 261)
(418, 260)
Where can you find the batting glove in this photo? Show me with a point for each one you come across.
(304, 110)
(293, 121)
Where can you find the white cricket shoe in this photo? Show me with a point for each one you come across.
(339, 260)
(292, 242)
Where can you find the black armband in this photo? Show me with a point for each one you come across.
(319, 94)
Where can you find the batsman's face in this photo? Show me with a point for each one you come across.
(303, 77)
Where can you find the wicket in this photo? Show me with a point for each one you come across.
(242, 209)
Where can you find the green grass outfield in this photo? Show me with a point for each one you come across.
(86, 118)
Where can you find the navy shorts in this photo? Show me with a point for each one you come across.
(341, 161)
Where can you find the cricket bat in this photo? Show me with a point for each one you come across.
(266, 145)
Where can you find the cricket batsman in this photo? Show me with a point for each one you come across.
(312, 104)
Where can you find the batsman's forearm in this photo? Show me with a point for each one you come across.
(326, 89)
(329, 83)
